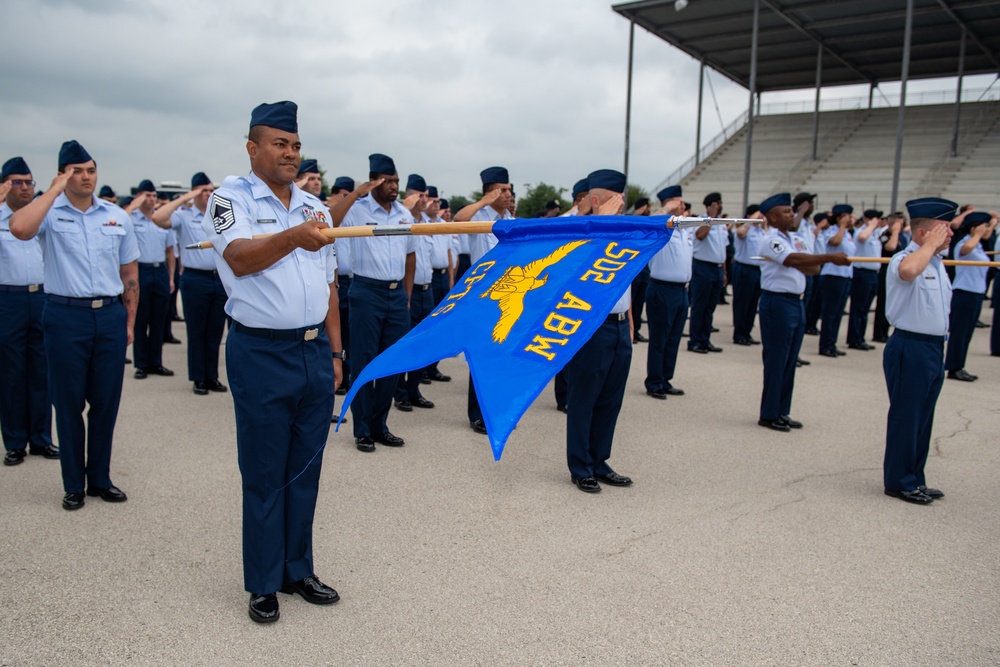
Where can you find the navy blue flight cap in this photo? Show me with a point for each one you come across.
(751, 209)
(200, 179)
(381, 164)
(146, 186)
(444, 204)
(607, 179)
(669, 192)
(820, 217)
(977, 218)
(309, 167)
(73, 153)
(780, 199)
(279, 115)
(842, 208)
(494, 175)
(15, 165)
(432, 191)
(344, 183)
(416, 182)
(872, 213)
(106, 191)
(711, 198)
(551, 204)
(580, 187)
(934, 208)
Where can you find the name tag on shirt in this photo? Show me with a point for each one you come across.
(267, 221)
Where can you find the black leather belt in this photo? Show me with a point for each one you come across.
(716, 264)
(783, 295)
(153, 265)
(912, 335)
(422, 288)
(202, 272)
(657, 281)
(387, 284)
(617, 317)
(22, 288)
(93, 302)
(302, 333)
(441, 271)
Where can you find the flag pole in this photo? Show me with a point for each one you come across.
(436, 228)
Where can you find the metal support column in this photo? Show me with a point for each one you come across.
(628, 99)
(697, 134)
(907, 38)
(750, 115)
(958, 96)
(871, 95)
(819, 85)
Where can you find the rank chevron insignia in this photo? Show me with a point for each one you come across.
(222, 214)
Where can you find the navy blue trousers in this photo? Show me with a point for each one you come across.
(150, 316)
(421, 305)
(666, 311)
(746, 294)
(864, 287)
(706, 288)
(440, 289)
(596, 377)
(813, 301)
(281, 427)
(25, 410)
(834, 292)
(464, 264)
(995, 329)
(343, 289)
(85, 351)
(638, 289)
(204, 300)
(379, 317)
(965, 309)
(782, 325)
(914, 375)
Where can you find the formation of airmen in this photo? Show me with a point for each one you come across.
(81, 279)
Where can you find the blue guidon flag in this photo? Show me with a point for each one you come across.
(521, 313)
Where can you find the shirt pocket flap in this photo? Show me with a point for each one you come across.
(113, 230)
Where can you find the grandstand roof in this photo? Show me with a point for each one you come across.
(862, 39)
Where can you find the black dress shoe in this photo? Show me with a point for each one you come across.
(981, 325)
(714, 329)
(200, 388)
(342, 391)
(422, 402)
(438, 376)
(112, 494)
(587, 484)
(961, 375)
(479, 426)
(313, 590)
(671, 390)
(175, 318)
(172, 340)
(812, 331)
(639, 338)
(140, 374)
(742, 341)
(127, 361)
(828, 353)
(336, 418)
(614, 479)
(917, 497)
(14, 457)
(160, 370)
(561, 408)
(700, 349)
(73, 501)
(49, 451)
(712, 348)
(839, 352)
(404, 406)
(657, 393)
(754, 341)
(264, 608)
(425, 380)
(802, 362)
(215, 385)
(365, 444)
(774, 425)
(933, 494)
(880, 340)
(864, 347)
(388, 439)
(791, 422)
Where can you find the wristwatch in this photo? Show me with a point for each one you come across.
(340, 355)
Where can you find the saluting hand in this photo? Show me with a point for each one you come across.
(60, 181)
(612, 206)
(309, 237)
(938, 235)
(410, 203)
(490, 197)
(4, 189)
(366, 188)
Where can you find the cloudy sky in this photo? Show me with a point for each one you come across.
(161, 89)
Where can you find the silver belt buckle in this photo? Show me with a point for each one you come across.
(97, 303)
(311, 334)
(32, 288)
(424, 288)
(393, 285)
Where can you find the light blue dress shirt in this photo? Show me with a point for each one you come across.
(440, 245)
(383, 257)
(971, 278)
(847, 246)
(807, 232)
(921, 305)
(713, 247)
(84, 250)
(480, 244)
(747, 247)
(187, 223)
(21, 262)
(293, 292)
(774, 275)
(153, 240)
(872, 247)
(672, 262)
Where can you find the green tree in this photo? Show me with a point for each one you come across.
(458, 202)
(534, 200)
(632, 193)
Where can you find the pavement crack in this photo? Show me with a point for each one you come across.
(631, 542)
(964, 429)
